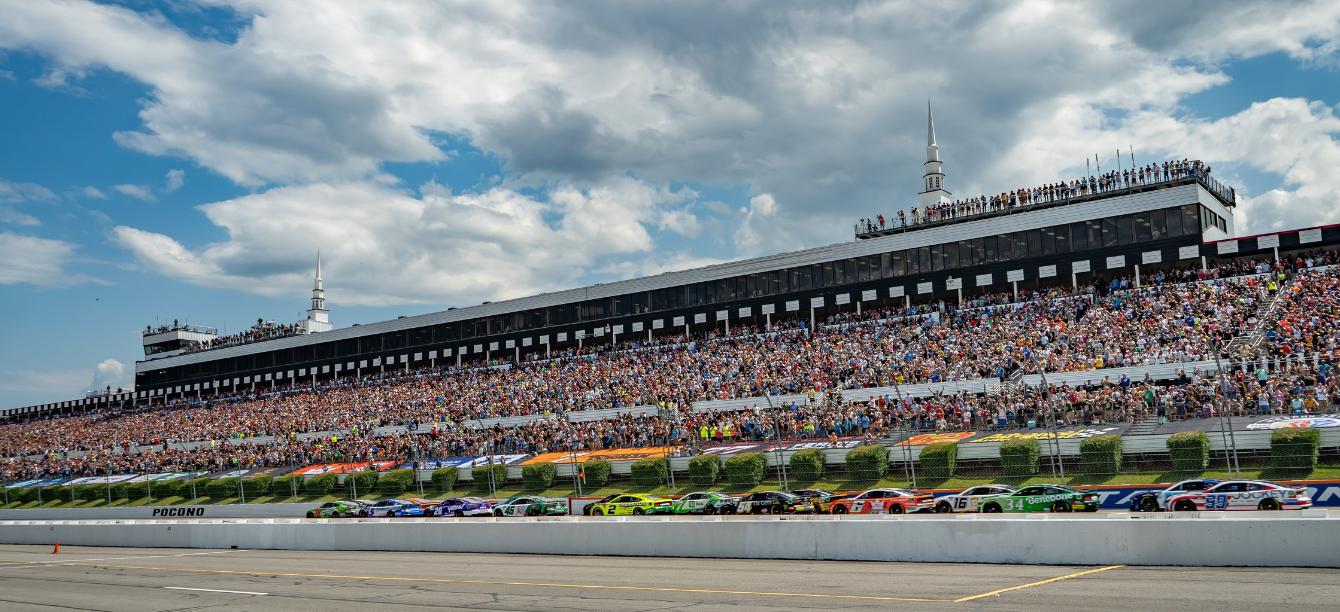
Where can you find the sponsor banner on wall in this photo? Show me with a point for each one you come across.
(464, 462)
(102, 480)
(1304, 421)
(1063, 433)
(1324, 493)
(340, 468)
(166, 476)
(622, 454)
(781, 445)
(252, 472)
(36, 482)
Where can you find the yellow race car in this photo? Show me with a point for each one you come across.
(633, 503)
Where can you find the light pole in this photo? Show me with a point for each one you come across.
(1235, 467)
(908, 468)
(1055, 439)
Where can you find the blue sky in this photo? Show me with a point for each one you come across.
(183, 160)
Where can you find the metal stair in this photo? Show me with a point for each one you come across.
(1248, 343)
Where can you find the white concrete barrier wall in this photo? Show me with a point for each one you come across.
(1238, 540)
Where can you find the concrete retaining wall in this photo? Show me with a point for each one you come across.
(149, 512)
(1247, 539)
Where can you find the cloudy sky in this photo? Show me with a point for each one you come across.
(183, 159)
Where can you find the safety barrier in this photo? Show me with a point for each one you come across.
(1307, 538)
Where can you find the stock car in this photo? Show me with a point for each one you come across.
(1041, 498)
(461, 506)
(968, 501)
(336, 509)
(705, 502)
(529, 505)
(773, 502)
(586, 510)
(1242, 495)
(880, 501)
(392, 508)
(1155, 501)
(823, 500)
(633, 503)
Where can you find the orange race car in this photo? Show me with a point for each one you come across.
(882, 501)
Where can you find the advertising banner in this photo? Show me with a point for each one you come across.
(464, 462)
(37, 482)
(781, 445)
(624, 454)
(252, 472)
(342, 468)
(102, 480)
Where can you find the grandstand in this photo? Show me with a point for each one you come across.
(1103, 289)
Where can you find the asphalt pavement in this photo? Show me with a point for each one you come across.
(148, 580)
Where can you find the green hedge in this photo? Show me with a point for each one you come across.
(91, 492)
(257, 486)
(1189, 451)
(481, 476)
(597, 473)
(704, 470)
(869, 462)
(288, 485)
(938, 459)
(444, 479)
(222, 488)
(807, 465)
(1295, 448)
(538, 476)
(746, 469)
(396, 482)
(650, 472)
(1101, 454)
(200, 486)
(1019, 456)
(321, 485)
(362, 483)
(28, 494)
(170, 488)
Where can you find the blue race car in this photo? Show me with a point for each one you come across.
(1157, 501)
(461, 506)
(392, 508)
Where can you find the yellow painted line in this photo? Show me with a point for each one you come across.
(1033, 584)
(493, 582)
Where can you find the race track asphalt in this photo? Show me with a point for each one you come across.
(149, 580)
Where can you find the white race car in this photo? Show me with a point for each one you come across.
(1155, 501)
(1242, 495)
(967, 500)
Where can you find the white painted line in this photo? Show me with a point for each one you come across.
(215, 591)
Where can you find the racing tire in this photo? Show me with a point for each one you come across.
(1269, 504)
(362, 514)
(944, 508)
(1061, 506)
(897, 509)
(459, 514)
(709, 510)
(992, 508)
(532, 512)
(390, 514)
(839, 509)
(497, 513)
(730, 510)
(638, 512)
(597, 512)
(311, 514)
(1184, 505)
(1149, 504)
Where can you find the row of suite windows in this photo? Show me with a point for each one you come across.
(1109, 231)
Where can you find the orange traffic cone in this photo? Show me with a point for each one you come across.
(57, 551)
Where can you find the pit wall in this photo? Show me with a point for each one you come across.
(1307, 538)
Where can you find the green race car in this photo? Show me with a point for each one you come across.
(336, 509)
(1041, 498)
(705, 502)
(529, 505)
(633, 503)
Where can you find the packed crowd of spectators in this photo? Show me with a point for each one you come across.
(260, 332)
(1100, 329)
(1052, 192)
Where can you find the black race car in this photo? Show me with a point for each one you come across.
(774, 502)
(823, 500)
(586, 510)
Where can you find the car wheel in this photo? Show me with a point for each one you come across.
(390, 514)
(497, 513)
(532, 512)
(710, 510)
(362, 513)
(839, 509)
(1149, 504)
(459, 514)
(991, 508)
(311, 514)
(944, 507)
(897, 509)
(1061, 506)
(638, 512)
(1269, 503)
(1185, 505)
(730, 510)
(597, 512)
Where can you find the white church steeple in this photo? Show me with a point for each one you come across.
(934, 179)
(318, 318)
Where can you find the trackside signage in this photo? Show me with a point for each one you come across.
(178, 511)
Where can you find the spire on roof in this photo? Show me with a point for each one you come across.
(930, 125)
